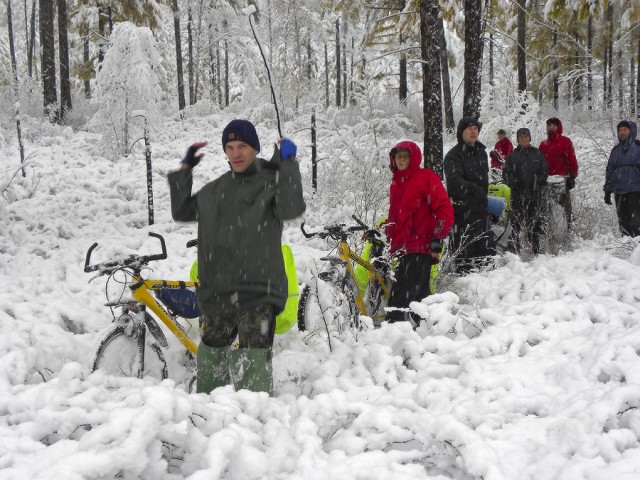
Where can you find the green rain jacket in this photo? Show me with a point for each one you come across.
(240, 218)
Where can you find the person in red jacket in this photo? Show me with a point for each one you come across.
(501, 150)
(420, 217)
(561, 160)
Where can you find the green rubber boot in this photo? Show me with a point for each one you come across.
(213, 368)
(251, 369)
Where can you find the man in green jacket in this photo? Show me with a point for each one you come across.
(243, 285)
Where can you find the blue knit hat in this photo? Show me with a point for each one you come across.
(242, 131)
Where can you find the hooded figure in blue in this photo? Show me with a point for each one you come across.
(623, 178)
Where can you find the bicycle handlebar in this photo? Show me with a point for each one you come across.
(337, 232)
(134, 261)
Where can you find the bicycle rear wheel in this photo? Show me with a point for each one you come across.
(123, 354)
(326, 309)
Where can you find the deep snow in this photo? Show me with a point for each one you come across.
(527, 371)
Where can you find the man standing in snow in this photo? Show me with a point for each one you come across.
(501, 150)
(420, 216)
(623, 178)
(466, 171)
(243, 285)
(525, 172)
(561, 160)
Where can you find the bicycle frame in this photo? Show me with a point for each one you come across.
(141, 291)
(347, 256)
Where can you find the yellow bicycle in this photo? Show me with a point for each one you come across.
(126, 349)
(333, 301)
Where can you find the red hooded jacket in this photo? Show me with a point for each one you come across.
(500, 152)
(419, 207)
(559, 153)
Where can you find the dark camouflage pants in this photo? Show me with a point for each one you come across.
(254, 327)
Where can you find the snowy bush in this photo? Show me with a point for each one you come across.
(131, 78)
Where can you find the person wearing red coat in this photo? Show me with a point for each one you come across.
(420, 217)
(561, 159)
(501, 150)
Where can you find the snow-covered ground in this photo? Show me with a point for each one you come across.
(527, 371)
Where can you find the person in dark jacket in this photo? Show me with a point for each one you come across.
(525, 173)
(466, 168)
(623, 178)
(243, 285)
(501, 150)
(420, 216)
(561, 160)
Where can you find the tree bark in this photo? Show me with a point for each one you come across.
(556, 68)
(32, 43)
(589, 62)
(192, 95)
(522, 39)
(446, 81)
(226, 74)
(472, 58)
(326, 76)
(47, 60)
(86, 59)
(176, 29)
(431, 86)
(491, 69)
(610, 56)
(605, 76)
(63, 53)
(632, 87)
(638, 85)
(338, 69)
(14, 68)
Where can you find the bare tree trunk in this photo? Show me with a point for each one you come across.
(192, 96)
(326, 76)
(610, 56)
(86, 58)
(446, 81)
(14, 68)
(47, 60)
(338, 69)
(491, 68)
(63, 52)
(620, 83)
(556, 72)
(605, 76)
(32, 43)
(472, 57)
(578, 82)
(403, 90)
(632, 87)
(522, 39)
(226, 74)
(178, 39)
(309, 60)
(431, 86)
(638, 85)
(589, 62)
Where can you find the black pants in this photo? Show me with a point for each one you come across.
(527, 217)
(255, 328)
(413, 274)
(628, 209)
(471, 245)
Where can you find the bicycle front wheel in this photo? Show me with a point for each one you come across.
(325, 309)
(125, 355)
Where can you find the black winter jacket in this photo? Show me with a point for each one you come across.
(466, 172)
(525, 172)
(240, 219)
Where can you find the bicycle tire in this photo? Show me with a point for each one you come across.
(317, 314)
(117, 354)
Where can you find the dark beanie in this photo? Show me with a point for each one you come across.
(554, 120)
(523, 131)
(465, 123)
(241, 131)
(624, 123)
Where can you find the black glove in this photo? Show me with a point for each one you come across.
(607, 198)
(190, 157)
(371, 235)
(571, 182)
(436, 246)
